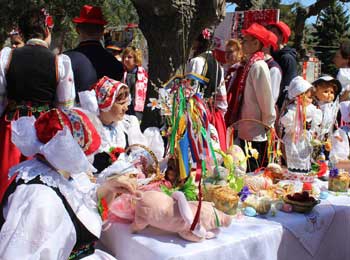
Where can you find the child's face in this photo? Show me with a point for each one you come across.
(307, 98)
(325, 93)
(250, 45)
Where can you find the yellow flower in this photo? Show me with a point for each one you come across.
(279, 153)
(254, 153)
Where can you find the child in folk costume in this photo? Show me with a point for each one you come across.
(51, 210)
(255, 100)
(32, 80)
(109, 100)
(211, 84)
(297, 137)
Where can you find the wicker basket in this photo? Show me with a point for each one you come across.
(152, 168)
(339, 183)
(301, 207)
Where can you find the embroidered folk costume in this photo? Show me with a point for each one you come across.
(255, 105)
(50, 211)
(297, 136)
(32, 80)
(124, 130)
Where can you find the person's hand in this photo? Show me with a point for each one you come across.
(116, 185)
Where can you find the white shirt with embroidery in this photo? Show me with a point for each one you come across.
(115, 135)
(258, 104)
(37, 225)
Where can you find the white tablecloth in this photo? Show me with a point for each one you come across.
(246, 238)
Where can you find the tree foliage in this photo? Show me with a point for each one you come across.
(332, 27)
(271, 4)
(116, 12)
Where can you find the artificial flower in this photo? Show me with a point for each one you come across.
(244, 193)
(154, 103)
(206, 34)
(328, 145)
(254, 153)
(114, 153)
(334, 172)
(103, 208)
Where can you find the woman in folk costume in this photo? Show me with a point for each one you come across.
(300, 123)
(109, 100)
(51, 211)
(32, 80)
(254, 101)
(136, 77)
(211, 83)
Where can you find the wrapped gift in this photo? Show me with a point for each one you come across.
(257, 183)
(274, 171)
(224, 198)
(262, 205)
(338, 181)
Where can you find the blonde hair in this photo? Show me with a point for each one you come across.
(237, 45)
(137, 53)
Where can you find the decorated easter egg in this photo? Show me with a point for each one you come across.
(238, 157)
(250, 212)
(324, 195)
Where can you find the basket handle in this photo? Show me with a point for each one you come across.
(252, 120)
(151, 153)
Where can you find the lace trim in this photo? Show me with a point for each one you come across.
(295, 170)
(72, 190)
(29, 170)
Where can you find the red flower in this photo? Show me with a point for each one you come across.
(114, 153)
(103, 208)
(49, 21)
(206, 34)
(323, 169)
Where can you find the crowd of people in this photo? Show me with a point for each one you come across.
(61, 115)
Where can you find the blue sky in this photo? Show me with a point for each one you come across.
(231, 8)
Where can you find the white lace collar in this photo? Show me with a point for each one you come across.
(36, 41)
(29, 170)
(79, 192)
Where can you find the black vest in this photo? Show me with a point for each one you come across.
(212, 71)
(31, 75)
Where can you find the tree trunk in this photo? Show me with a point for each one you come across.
(170, 27)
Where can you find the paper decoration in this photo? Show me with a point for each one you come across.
(243, 19)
